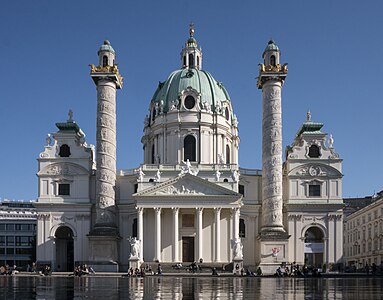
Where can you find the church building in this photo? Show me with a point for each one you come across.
(189, 200)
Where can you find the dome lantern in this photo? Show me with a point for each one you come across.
(191, 56)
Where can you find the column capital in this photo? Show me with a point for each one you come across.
(139, 209)
(175, 210)
(157, 209)
(217, 210)
(199, 209)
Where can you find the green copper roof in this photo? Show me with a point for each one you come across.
(211, 90)
(271, 46)
(106, 47)
(68, 126)
(310, 128)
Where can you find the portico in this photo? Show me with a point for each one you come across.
(199, 220)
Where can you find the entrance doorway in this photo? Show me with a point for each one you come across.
(314, 247)
(187, 249)
(64, 249)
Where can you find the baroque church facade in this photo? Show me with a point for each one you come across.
(189, 200)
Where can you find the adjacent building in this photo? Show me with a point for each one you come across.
(189, 200)
(363, 233)
(17, 233)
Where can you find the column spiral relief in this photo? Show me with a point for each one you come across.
(272, 155)
(106, 152)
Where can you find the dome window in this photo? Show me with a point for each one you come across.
(314, 151)
(153, 114)
(190, 148)
(227, 114)
(189, 102)
(227, 154)
(64, 151)
(184, 60)
(153, 157)
(104, 61)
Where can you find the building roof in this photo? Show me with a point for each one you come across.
(106, 46)
(212, 91)
(271, 46)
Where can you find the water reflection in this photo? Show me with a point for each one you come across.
(36, 287)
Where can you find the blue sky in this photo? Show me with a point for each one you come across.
(333, 48)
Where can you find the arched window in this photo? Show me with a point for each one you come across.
(184, 60)
(272, 60)
(104, 61)
(197, 61)
(314, 151)
(153, 114)
(152, 157)
(64, 151)
(226, 180)
(242, 228)
(134, 228)
(314, 235)
(190, 148)
(227, 114)
(227, 154)
(191, 60)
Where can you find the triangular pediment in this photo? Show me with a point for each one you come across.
(187, 185)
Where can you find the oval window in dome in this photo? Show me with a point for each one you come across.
(227, 115)
(189, 102)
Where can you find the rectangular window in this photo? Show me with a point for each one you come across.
(2, 250)
(314, 190)
(24, 251)
(2, 227)
(10, 227)
(22, 241)
(187, 220)
(10, 250)
(2, 240)
(64, 189)
(10, 240)
(241, 189)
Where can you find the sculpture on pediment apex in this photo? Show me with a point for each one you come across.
(217, 175)
(187, 168)
(140, 174)
(235, 175)
(157, 177)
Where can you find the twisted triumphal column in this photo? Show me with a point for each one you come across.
(270, 80)
(107, 80)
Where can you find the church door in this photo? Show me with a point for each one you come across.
(314, 247)
(187, 249)
(64, 249)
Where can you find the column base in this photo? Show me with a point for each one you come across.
(273, 246)
(103, 252)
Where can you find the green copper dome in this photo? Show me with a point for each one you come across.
(211, 90)
(271, 46)
(106, 47)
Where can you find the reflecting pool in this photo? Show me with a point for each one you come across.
(36, 287)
